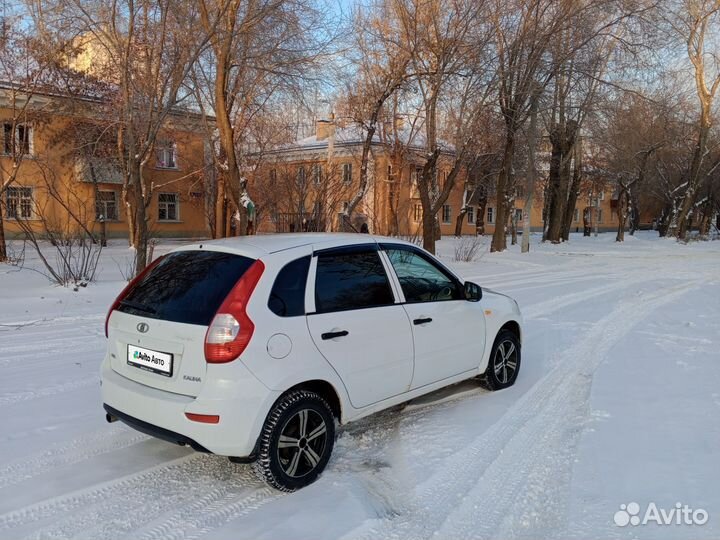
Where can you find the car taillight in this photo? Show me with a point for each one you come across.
(231, 329)
(128, 288)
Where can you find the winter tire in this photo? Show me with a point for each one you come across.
(296, 441)
(504, 362)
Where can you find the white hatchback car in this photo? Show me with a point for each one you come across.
(254, 347)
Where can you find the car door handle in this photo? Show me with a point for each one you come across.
(422, 321)
(331, 335)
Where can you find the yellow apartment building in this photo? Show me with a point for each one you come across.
(304, 186)
(63, 182)
(307, 185)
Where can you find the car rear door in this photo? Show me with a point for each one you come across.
(448, 331)
(357, 325)
(156, 335)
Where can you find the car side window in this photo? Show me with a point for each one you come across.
(351, 281)
(287, 297)
(421, 279)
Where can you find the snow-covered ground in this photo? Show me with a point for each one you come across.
(617, 401)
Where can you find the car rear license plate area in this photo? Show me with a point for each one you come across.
(149, 360)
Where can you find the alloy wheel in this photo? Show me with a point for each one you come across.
(302, 443)
(505, 361)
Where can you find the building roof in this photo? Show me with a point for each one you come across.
(353, 135)
(48, 91)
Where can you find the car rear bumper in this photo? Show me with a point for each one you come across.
(154, 431)
(233, 393)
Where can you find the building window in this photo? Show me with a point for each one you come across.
(446, 213)
(273, 176)
(301, 176)
(418, 175)
(168, 207)
(347, 173)
(491, 215)
(345, 207)
(317, 174)
(601, 196)
(518, 215)
(19, 202)
(471, 215)
(19, 142)
(576, 215)
(599, 215)
(166, 154)
(417, 213)
(415, 177)
(106, 207)
(519, 192)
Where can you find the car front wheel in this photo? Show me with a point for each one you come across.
(296, 441)
(504, 363)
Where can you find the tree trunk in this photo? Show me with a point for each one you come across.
(532, 173)
(499, 242)
(480, 218)
(634, 213)
(235, 187)
(587, 221)
(459, 221)
(3, 244)
(425, 188)
(428, 231)
(562, 139)
(682, 221)
(664, 221)
(573, 192)
(622, 202)
(553, 187)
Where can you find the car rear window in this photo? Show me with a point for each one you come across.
(186, 286)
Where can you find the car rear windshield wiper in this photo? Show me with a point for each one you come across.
(139, 307)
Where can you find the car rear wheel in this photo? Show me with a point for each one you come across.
(296, 441)
(504, 363)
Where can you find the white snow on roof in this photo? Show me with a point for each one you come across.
(354, 134)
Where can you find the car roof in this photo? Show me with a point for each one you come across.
(257, 245)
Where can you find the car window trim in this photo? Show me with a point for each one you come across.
(353, 249)
(349, 249)
(385, 246)
(272, 287)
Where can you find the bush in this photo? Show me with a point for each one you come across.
(468, 247)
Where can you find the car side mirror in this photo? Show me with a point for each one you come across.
(473, 292)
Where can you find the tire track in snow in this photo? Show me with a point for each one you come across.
(60, 388)
(184, 486)
(82, 448)
(516, 454)
(34, 323)
(536, 310)
(540, 456)
(209, 513)
(111, 490)
(536, 279)
(223, 505)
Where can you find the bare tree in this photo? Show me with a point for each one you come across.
(693, 24)
(453, 80)
(260, 50)
(146, 50)
(381, 69)
(24, 74)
